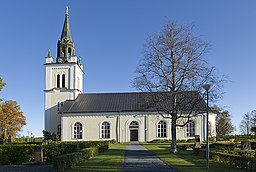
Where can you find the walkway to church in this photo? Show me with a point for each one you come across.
(26, 168)
(138, 158)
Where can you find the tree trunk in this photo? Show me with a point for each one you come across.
(173, 145)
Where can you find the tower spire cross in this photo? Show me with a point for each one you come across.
(66, 10)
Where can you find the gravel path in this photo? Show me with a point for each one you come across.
(138, 158)
(26, 168)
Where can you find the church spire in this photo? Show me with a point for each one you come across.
(66, 29)
(65, 44)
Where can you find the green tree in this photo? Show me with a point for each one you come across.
(224, 124)
(174, 62)
(2, 84)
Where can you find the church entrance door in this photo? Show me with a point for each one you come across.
(134, 135)
(134, 131)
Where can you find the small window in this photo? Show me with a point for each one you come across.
(63, 81)
(58, 81)
(105, 130)
(161, 129)
(190, 127)
(78, 130)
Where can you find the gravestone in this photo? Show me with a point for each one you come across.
(197, 143)
(38, 154)
(9, 139)
(1, 141)
(245, 145)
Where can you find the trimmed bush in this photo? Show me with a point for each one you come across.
(221, 145)
(63, 162)
(16, 154)
(58, 148)
(89, 152)
(253, 144)
(234, 160)
(24, 153)
(67, 161)
(185, 146)
(230, 159)
(160, 141)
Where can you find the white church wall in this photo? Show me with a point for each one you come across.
(147, 129)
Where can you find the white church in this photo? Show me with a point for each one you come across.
(125, 117)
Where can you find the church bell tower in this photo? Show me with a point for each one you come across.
(63, 78)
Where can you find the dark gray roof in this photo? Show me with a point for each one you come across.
(131, 102)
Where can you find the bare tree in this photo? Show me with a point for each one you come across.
(224, 124)
(174, 62)
(247, 123)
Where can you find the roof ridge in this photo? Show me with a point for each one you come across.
(134, 92)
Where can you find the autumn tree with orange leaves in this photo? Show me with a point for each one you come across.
(11, 117)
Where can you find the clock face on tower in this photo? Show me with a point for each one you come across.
(60, 60)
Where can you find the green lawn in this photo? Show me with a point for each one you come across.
(186, 161)
(110, 160)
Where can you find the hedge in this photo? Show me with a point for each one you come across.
(185, 146)
(230, 159)
(243, 153)
(16, 154)
(60, 148)
(221, 145)
(24, 153)
(234, 160)
(67, 161)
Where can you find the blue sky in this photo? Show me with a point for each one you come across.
(109, 37)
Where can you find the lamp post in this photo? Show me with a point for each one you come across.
(207, 87)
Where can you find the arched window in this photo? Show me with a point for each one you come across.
(58, 81)
(105, 130)
(63, 81)
(190, 129)
(161, 129)
(134, 123)
(78, 130)
(63, 52)
(69, 52)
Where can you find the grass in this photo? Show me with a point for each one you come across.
(110, 160)
(186, 161)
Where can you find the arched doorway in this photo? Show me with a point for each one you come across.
(134, 131)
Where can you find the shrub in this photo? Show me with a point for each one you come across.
(58, 148)
(63, 162)
(184, 146)
(234, 160)
(89, 152)
(243, 153)
(230, 159)
(67, 161)
(253, 144)
(160, 141)
(221, 145)
(16, 154)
